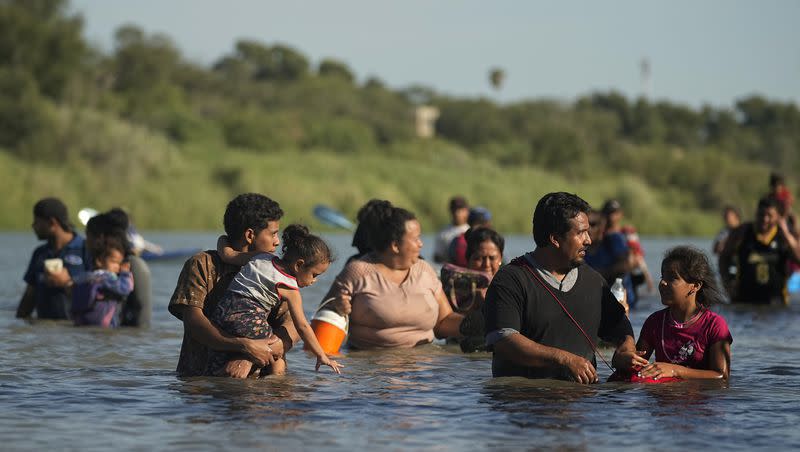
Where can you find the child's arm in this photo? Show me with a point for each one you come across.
(719, 361)
(230, 255)
(292, 297)
(120, 285)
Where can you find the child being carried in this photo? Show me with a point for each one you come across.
(97, 295)
(265, 282)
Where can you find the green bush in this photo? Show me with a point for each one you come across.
(339, 134)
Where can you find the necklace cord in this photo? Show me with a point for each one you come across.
(566, 311)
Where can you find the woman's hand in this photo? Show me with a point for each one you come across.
(342, 304)
(328, 362)
(658, 370)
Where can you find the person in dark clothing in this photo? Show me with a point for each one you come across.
(48, 285)
(530, 333)
(754, 263)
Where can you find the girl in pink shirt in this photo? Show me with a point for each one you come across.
(689, 340)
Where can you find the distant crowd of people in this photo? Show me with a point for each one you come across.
(541, 314)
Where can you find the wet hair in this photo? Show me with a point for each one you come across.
(553, 214)
(366, 220)
(103, 246)
(299, 243)
(476, 236)
(387, 225)
(692, 266)
(107, 225)
(249, 211)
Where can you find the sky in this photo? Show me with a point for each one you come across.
(699, 52)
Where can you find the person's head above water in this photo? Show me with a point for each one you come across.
(49, 213)
(459, 210)
(767, 214)
(305, 255)
(252, 221)
(484, 249)
(108, 252)
(686, 272)
(105, 225)
(479, 216)
(366, 222)
(561, 226)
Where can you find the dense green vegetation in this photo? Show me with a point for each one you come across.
(173, 141)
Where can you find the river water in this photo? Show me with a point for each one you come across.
(91, 389)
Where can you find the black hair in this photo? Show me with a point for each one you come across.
(299, 243)
(249, 211)
(106, 225)
(386, 225)
(366, 221)
(775, 179)
(53, 208)
(476, 236)
(120, 217)
(553, 214)
(767, 202)
(692, 266)
(102, 247)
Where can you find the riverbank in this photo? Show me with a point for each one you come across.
(186, 188)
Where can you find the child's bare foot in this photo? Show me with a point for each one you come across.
(276, 368)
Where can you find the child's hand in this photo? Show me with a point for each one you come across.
(328, 362)
(125, 267)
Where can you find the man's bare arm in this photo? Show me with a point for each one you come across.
(27, 303)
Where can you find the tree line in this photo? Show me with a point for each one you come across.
(263, 98)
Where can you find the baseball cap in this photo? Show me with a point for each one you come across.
(53, 208)
(479, 215)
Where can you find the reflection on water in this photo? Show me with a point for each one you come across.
(87, 388)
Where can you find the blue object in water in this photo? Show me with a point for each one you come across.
(332, 217)
(169, 254)
(793, 285)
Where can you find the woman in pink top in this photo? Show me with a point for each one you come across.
(689, 340)
(394, 299)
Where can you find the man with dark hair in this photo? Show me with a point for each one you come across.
(47, 290)
(753, 263)
(251, 223)
(539, 307)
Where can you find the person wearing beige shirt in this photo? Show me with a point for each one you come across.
(394, 298)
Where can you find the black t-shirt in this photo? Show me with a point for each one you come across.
(762, 268)
(515, 300)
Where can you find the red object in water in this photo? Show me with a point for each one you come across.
(635, 378)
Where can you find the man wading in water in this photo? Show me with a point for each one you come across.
(531, 333)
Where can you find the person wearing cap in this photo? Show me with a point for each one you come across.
(613, 257)
(457, 250)
(47, 291)
(459, 211)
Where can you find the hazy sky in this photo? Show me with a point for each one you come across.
(699, 51)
